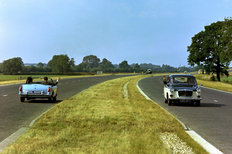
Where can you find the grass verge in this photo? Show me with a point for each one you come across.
(225, 84)
(102, 120)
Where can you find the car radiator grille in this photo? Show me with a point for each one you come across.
(185, 93)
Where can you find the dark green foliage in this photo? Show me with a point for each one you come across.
(0, 67)
(89, 64)
(124, 67)
(212, 48)
(61, 64)
(106, 66)
(213, 78)
(136, 68)
(12, 66)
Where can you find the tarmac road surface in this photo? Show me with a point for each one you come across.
(15, 115)
(212, 120)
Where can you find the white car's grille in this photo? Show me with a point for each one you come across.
(185, 93)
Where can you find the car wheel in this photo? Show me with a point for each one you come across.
(169, 102)
(22, 99)
(198, 103)
(166, 99)
(54, 99)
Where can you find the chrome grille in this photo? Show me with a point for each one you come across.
(185, 93)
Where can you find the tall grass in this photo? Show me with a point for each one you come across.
(101, 120)
(225, 84)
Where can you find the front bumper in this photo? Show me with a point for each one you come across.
(185, 99)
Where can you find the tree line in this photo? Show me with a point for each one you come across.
(62, 64)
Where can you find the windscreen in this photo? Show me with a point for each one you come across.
(184, 80)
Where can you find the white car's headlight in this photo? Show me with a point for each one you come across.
(198, 89)
(172, 90)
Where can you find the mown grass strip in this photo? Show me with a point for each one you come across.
(101, 120)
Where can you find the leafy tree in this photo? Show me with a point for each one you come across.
(0, 67)
(212, 48)
(30, 69)
(168, 68)
(40, 65)
(106, 65)
(60, 64)
(124, 67)
(12, 66)
(89, 63)
(137, 68)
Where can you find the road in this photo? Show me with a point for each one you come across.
(212, 120)
(15, 115)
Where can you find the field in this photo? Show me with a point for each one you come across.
(225, 84)
(13, 79)
(111, 117)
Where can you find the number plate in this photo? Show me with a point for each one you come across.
(184, 101)
(34, 93)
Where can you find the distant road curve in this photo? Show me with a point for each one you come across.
(15, 115)
(212, 120)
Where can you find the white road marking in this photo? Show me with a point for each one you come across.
(12, 138)
(5, 95)
(215, 101)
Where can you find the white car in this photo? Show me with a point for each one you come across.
(181, 88)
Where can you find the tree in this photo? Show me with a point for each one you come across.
(41, 65)
(124, 67)
(137, 68)
(168, 68)
(60, 64)
(31, 68)
(12, 66)
(106, 65)
(89, 63)
(0, 67)
(212, 48)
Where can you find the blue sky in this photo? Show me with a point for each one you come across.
(139, 31)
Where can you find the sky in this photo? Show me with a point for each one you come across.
(139, 31)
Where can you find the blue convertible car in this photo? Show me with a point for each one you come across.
(41, 89)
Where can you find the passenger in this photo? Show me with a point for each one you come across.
(46, 82)
(29, 80)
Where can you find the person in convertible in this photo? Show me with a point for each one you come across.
(29, 80)
(46, 82)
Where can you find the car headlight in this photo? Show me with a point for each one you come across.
(198, 89)
(172, 90)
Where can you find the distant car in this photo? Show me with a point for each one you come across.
(38, 90)
(148, 71)
(181, 88)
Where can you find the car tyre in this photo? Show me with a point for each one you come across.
(54, 99)
(22, 99)
(198, 103)
(169, 102)
(166, 99)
